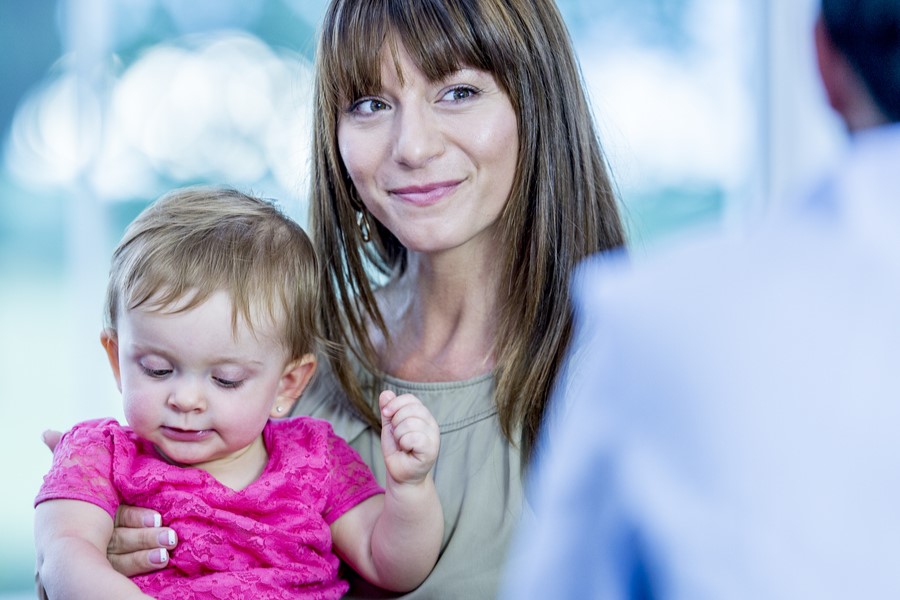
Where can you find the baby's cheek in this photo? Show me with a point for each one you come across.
(140, 413)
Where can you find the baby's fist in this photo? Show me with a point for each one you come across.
(410, 437)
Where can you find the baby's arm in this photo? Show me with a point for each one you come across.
(393, 540)
(70, 539)
(138, 544)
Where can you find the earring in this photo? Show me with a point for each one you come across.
(362, 221)
(279, 409)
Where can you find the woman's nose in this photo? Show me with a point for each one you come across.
(417, 135)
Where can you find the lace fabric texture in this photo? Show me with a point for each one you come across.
(270, 540)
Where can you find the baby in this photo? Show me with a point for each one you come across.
(211, 332)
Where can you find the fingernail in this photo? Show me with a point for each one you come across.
(159, 557)
(153, 520)
(166, 538)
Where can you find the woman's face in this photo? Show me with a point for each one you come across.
(434, 162)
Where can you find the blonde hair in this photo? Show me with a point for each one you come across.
(561, 208)
(196, 241)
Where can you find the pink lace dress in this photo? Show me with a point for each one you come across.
(270, 540)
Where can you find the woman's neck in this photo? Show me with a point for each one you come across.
(442, 320)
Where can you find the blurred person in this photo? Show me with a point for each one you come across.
(734, 432)
(457, 179)
(211, 328)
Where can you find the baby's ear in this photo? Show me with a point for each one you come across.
(110, 342)
(294, 380)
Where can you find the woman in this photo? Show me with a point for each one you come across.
(457, 180)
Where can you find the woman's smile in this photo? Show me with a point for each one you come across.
(427, 194)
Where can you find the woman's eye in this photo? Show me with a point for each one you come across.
(369, 106)
(462, 92)
(227, 383)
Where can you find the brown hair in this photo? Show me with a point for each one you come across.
(561, 208)
(196, 241)
(868, 33)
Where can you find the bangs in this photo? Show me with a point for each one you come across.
(440, 37)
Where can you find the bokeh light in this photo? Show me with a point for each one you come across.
(220, 106)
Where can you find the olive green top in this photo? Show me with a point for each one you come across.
(477, 474)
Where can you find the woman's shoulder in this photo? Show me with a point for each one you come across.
(324, 391)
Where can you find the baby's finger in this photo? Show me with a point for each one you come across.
(417, 435)
(410, 424)
(405, 400)
(413, 442)
(384, 402)
(413, 411)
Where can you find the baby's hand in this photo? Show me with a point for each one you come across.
(410, 437)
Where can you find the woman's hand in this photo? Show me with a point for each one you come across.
(51, 438)
(139, 543)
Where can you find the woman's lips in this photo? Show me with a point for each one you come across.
(185, 435)
(425, 195)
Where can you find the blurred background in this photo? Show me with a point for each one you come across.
(709, 110)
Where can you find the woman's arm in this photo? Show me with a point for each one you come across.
(394, 540)
(70, 540)
(139, 544)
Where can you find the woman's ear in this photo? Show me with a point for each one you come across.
(294, 380)
(110, 342)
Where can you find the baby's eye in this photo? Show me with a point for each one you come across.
(155, 373)
(460, 92)
(369, 106)
(228, 383)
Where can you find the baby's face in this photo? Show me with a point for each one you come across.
(196, 388)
